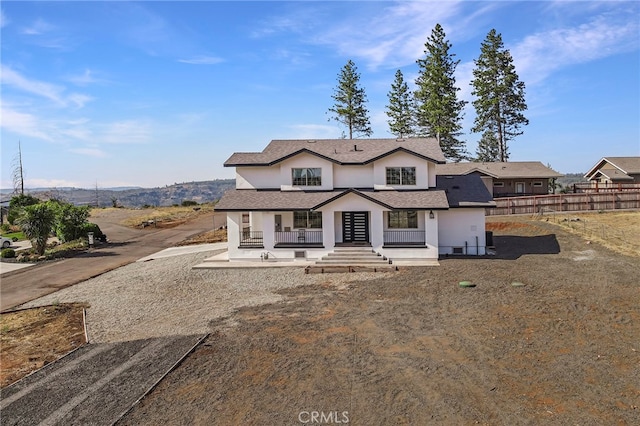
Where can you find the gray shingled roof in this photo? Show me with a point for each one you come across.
(340, 151)
(465, 191)
(499, 170)
(250, 199)
(628, 165)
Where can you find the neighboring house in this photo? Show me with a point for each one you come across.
(506, 179)
(303, 198)
(615, 170)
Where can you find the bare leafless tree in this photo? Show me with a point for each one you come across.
(18, 172)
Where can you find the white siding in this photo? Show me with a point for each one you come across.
(306, 160)
(258, 177)
(353, 176)
(402, 159)
(459, 228)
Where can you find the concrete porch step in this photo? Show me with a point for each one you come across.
(346, 257)
(352, 262)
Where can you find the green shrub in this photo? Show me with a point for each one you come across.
(8, 253)
(92, 227)
(5, 228)
(187, 203)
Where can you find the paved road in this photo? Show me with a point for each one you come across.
(125, 246)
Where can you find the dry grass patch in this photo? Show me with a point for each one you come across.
(32, 338)
(159, 215)
(617, 230)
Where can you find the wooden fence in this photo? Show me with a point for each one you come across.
(580, 187)
(566, 203)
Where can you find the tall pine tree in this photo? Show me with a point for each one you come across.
(488, 147)
(499, 96)
(439, 112)
(400, 108)
(350, 100)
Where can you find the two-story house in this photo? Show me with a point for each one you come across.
(303, 198)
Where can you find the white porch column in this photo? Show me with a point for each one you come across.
(376, 231)
(268, 230)
(328, 232)
(431, 228)
(234, 220)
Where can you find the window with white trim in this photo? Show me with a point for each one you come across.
(401, 175)
(309, 176)
(310, 220)
(403, 219)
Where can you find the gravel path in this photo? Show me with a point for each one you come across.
(166, 297)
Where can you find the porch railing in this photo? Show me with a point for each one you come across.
(251, 238)
(404, 237)
(298, 237)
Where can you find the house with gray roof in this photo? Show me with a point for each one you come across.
(614, 171)
(300, 199)
(506, 179)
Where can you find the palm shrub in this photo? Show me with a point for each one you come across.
(37, 222)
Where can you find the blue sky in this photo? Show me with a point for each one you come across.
(155, 93)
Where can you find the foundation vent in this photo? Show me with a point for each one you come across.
(299, 254)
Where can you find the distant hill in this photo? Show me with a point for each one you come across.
(201, 192)
(570, 178)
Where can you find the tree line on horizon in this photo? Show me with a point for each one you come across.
(434, 110)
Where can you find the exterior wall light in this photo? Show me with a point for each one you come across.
(431, 215)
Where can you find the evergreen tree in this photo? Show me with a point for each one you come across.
(439, 111)
(488, 147)
(500, 95)
(400, 108)
(350, 99)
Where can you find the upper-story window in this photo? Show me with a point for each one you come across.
(401, 175)
(306, 176)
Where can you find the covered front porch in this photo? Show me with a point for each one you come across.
(281, 235)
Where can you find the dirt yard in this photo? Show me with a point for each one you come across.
(32, 338)
(559, 347)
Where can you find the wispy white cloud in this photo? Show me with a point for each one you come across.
(23, 124)
(313, 131)
(540, 54)
(202, 60)
(90, 152)
(4, 21)
(43, 89)
(391, 36)
(39, 27)
(126, 132)
(35, 87)
(85, 78)
(50, 183)
(79, 99)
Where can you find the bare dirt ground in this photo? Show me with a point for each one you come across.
(32, 338)
(561, 348)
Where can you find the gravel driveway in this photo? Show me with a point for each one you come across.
(166, 297)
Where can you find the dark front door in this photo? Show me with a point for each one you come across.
(355, 227)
